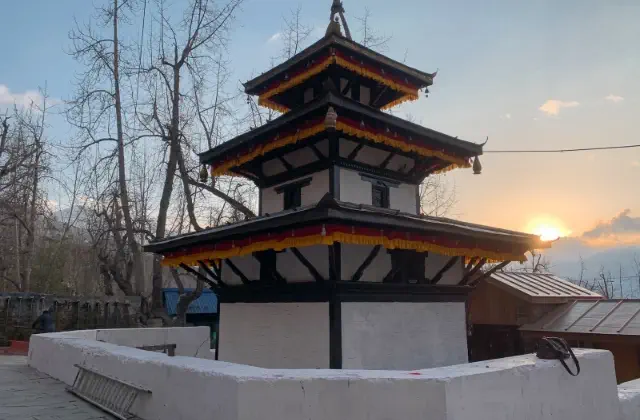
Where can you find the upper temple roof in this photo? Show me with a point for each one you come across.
(397, 81)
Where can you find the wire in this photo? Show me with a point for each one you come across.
(586, 149)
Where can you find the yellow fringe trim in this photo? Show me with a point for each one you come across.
(345, 238)
(296, 80)
(406, 147)
(411, 94)
(225, 168)
(261, 150)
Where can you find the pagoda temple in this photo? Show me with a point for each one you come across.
(340, 269)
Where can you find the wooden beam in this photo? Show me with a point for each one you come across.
(317, 152)
(472, 261)
(237, 271)
(354, 152)
(444, 269)
(473, 271)
(378, 96)
(392, 273)
(367, 262)
(490, 272)
(268, 266)
(316, 275)
(211, 274)
(387, 160)
(346, 88)
(203, 278)
(286, 164)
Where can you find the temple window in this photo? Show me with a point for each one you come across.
(380, 195)
(292, 193)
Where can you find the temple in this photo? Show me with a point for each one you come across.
(341, 269)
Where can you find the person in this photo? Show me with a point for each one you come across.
(44, 323)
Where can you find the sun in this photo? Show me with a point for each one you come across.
(548, 228)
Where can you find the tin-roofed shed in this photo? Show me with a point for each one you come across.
(612, 325)
(504, 301)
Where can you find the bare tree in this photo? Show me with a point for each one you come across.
(294, 34)
(437, 197)
(98, 107)
(368, 36)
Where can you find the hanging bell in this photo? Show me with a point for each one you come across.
(204, 174)
(331, 118)
(477, 166)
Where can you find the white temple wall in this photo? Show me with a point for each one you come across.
(435, 262)
(295, 272)
(275, 335)
(272, 202)
(247, 264)
(354, 255)
(356, 190)
(403, 335)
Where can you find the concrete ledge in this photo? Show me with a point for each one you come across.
(629, 394)
(190, 388)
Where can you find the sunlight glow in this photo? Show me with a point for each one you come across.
(548, 228)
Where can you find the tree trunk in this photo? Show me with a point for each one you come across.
(122, 174)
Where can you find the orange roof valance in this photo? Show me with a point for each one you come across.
(338, 58)
(348, 127)
(328, 234)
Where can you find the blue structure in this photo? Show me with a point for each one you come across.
(206, 304)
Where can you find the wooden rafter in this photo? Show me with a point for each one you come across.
(387, 160)
(237, 271)
(367, 262)
(211, 274)
(346, 88)
(317, 152)
(199, 275)
(444, 269)
(268, 267)
(314, 272)
(473, 271)
(287, 165)
(488, 273)
(378, 96)
(471, 263)
(354, 152)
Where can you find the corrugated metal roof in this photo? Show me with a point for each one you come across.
(207, 303)
(617, 317)
(541, 288)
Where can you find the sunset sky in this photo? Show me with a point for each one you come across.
(526, 74)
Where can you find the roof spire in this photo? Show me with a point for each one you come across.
(338, 9)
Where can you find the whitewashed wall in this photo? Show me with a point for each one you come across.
(403, 335)
(187, 388)
(272, 202)
(354, 189)
(374, 156)
(247, 264)
(435, 262)
(275, 335)
(354, 255)
(292, 269)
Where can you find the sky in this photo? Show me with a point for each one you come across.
(525, 74)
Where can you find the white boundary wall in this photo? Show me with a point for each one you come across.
(189, 388)
(403, 335)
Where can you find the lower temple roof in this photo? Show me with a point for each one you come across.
(331, 221)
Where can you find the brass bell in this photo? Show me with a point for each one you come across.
(477, 166)
(204, 174)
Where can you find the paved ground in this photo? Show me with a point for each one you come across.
(26, 394)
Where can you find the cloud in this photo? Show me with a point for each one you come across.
(635, 163)
(553, 106)
(621, 229)
(25, 98)
(614, 98)
(506, 116)
(275, 37)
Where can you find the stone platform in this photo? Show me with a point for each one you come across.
(26, 394)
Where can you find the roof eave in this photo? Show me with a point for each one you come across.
(253, 84)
